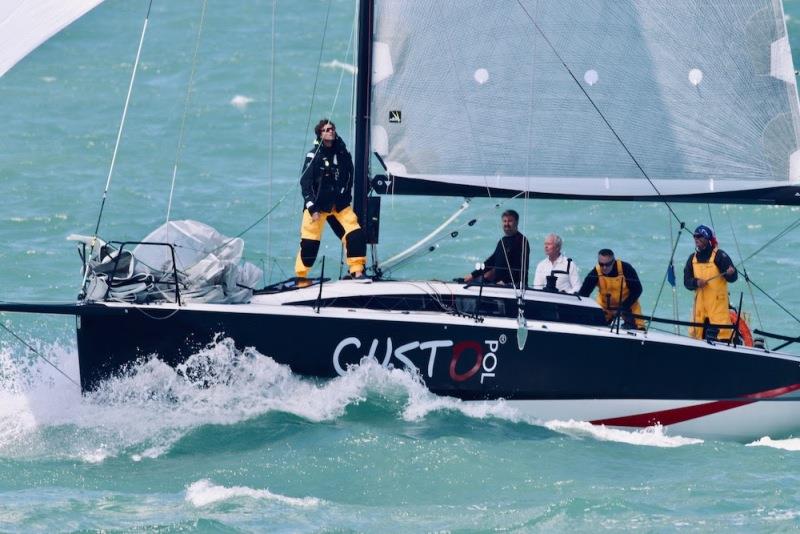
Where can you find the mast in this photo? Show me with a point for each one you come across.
(363, 93)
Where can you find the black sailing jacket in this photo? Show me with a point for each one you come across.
(327, 179)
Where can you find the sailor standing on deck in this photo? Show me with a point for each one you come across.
(707, 272)
(326, 185)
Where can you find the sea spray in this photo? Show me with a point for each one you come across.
(204, 492)
(653, 436)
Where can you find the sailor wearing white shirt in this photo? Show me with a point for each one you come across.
(563, 268)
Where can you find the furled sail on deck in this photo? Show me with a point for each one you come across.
(25, 24)
(469, 97)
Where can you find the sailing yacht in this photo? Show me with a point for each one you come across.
(689, 102)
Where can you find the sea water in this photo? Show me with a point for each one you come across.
(258, 448)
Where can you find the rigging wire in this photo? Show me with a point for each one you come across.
(333, 108)
(410, 251)
(477, 149)
(674, 291)
(186, 102)
(421, 252)
(600, 113)
(778, 304)
(792, 226)
(308, 125)
(38, 354)
(744, 271)
(710, 216)
(270, 138)
(119, 136)
(666, 275)
(316, 74)
(633, 158)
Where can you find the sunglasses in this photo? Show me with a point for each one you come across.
(606, 264)
(329, 129)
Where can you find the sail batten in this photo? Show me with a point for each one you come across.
(25, 24)
(701, 92)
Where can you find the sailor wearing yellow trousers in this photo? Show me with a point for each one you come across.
(707, 272)
(618, 289)
(326, 185)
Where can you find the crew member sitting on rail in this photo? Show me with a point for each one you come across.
(619, 289)
(707, 272)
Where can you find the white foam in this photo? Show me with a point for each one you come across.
(652, 436)
(204, 492)
(241, 102)
(145, 412)
(791, 444)
(336, 64)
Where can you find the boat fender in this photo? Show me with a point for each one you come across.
(744, 329)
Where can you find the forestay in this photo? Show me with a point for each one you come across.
(25, 24)
(702, 93)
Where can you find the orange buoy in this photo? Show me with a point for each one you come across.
(744, 329)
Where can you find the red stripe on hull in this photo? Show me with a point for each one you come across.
(679, 415)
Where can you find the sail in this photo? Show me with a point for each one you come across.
(568, 98)
(25, 24)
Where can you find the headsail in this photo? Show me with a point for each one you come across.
(25, 24)
(470, 96)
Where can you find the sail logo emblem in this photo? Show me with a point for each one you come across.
(425, 352)
(396, 116)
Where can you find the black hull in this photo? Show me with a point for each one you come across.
(471, 361)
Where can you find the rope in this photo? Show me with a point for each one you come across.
(597, 109)
(39, 354)
(186, 102)
(664, 280)
(778, 304)
(793, 226)
(119, 136)
(674, 291)
(477, 149)
(744, 271)
(308, 125)
(387, 265)
(316, 74)
(270, 138)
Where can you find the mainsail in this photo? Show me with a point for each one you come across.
(25, 24)
(478, 97)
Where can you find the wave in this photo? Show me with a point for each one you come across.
(651, 436)
(790, 444)
(204, 492)
(145, 412)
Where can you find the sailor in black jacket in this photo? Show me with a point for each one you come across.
(326, 185)
(508, 264)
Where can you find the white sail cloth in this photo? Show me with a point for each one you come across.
(25, 24)
(209, 264)
(702, 93)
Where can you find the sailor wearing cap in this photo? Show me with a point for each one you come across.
(707, 272)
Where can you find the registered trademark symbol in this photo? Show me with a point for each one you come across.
(502, 338)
